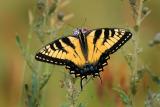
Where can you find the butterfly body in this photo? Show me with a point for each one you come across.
(83, 42)
(86, 51)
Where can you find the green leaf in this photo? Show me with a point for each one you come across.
(44, 79)
(156, 79)
(19, 43)
(81, 105)
(53, 7)
(65, 105)
(124, 97)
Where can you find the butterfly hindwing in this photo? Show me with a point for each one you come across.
(105, 41)
(62, 51)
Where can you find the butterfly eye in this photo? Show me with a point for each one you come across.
(84, 31)
(76, 32)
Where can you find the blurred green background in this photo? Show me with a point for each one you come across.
(87, 13)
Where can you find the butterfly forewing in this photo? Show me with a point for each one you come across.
(105, 41)
(62, 51)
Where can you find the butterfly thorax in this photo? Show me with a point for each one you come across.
(89, 69)
(81, 34)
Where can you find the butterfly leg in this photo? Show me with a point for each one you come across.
(97, 75)
(81, 82)
(100, 78)
(93, 75)
(86, 77)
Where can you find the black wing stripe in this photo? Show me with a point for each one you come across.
(106, 35)
(58, 44)
(113, 32)
(68, 42)
(52, 47)
(97, 35)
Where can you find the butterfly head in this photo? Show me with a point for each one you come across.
(76, 32)
(79, 31)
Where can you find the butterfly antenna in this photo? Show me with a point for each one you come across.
(71, 26)
(83, 23)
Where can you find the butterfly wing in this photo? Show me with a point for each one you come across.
(105, 41)
(63, 51)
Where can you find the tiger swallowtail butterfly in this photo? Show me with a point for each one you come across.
(85, 52)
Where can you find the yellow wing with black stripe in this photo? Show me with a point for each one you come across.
(63, 51)
(105, 41)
